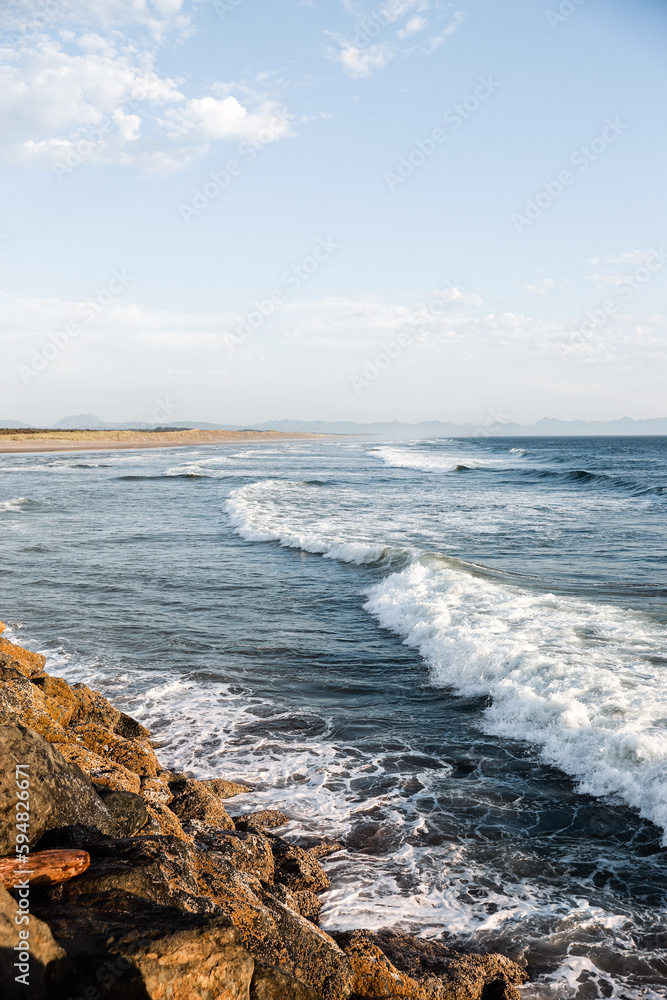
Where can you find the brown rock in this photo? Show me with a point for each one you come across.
(308, 904)
(103, 772)
(22, 703)
(194, 801)
(60, 693)
(164, 822)
(44, 867)
(374, 974)
(267, 819)
(246, 852)
(33, 662)
(296, 868)
(131, 755)
(94, 707)
(60, 794)
(225, 789)
(130, 729)
(156, 790)
(46, 962)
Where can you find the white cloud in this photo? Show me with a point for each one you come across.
(414, 25)
(359, 62)
(93, 93)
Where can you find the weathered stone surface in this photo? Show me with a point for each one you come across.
(94, 708)
(164, 822)
(225, 789)
(60, 793)
(128, 809)
(130, 754)
(246, 852)
(194, 801)
(426, 970)
(33, 662)
(156, 790)
(296, 868)
(132, 949)
(266, 819)
(22, 703)
(102, 772)
(272, 984)
(130, 729)
(46, 962)
(60, 693)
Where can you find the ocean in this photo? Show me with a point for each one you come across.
(449, 653)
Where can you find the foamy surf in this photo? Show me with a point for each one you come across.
(575, 678)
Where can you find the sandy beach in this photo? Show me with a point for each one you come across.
(40, 441)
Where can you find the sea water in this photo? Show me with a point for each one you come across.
(449, 653)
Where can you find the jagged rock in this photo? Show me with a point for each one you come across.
(318, 848)
(60, 793)
(296, 868)
(45, 868)
(156, 790)
(128, 809)
(266, 819)
(246, 852)
(22, 703)
(59, 691)
(137, 950)
(130, 729)
(426, 970)
(102, 772)
(225, 789)
(33, 662)
(94, 708)
(308, 904)
(46, 962)
(163, 821)
(130, 754)
(194, 801)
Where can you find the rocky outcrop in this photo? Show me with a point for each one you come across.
(180, 900)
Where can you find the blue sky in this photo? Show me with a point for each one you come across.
(333, 210)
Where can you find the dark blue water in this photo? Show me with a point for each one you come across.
(449, 653)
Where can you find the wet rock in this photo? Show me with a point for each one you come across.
(162, 821)
(60, 793)
(225, 789)
(46, 962)
(308, 904)
(319, 848)
(128, 809)
(194, 801)
(102, 772)
(130, 754)
(267, 819)
(297, 869)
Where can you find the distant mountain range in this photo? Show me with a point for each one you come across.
(548, 427)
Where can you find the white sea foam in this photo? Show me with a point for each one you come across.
(434, 461)
(575, 678)
(15, 505)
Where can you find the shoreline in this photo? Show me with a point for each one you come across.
(22, 443)
(135, 867)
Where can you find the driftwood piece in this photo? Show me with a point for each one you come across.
(43, 867)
